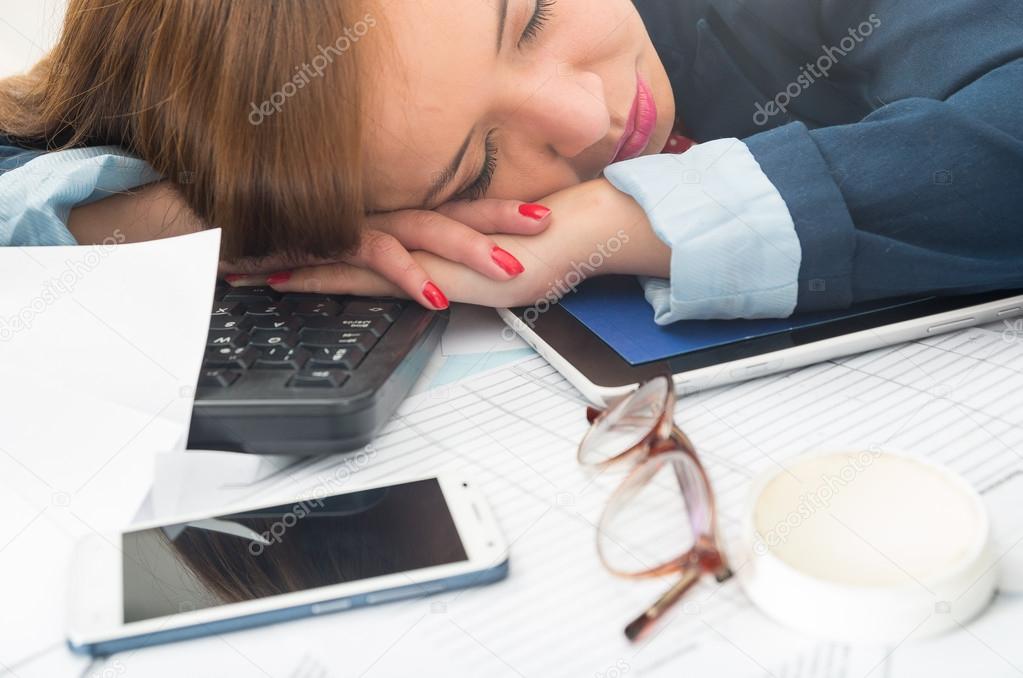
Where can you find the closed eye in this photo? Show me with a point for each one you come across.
(479, 188)
(537, 22)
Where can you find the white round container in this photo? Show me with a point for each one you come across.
(866, 546)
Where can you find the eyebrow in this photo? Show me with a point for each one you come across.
(502, 18)
(451, 171)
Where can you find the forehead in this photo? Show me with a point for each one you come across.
(425, 85)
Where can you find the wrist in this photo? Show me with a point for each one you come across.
(149, 213)
(616, 233)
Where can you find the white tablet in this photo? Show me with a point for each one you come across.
(603, 339)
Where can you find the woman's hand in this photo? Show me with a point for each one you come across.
(593, 229)
(457, 232)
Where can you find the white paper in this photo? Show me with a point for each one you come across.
(100, 350)
(953, 398)
(477, 329)
(194, 482)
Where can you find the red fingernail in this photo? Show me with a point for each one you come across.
(533, 211)
(435, 296)
(278, 278)
(506, 261)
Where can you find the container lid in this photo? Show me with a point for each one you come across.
(867, 545)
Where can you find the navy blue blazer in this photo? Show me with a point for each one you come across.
(893, 130)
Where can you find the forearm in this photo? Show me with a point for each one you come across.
(148, 213)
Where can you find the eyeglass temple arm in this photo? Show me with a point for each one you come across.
(641, 624)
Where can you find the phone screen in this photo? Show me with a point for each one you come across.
(281, 549)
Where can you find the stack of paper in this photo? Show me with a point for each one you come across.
(100, 349)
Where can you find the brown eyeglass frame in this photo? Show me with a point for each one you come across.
(666, 439)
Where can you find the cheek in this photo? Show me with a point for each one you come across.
(606, 27)
(663, 96)
(531, 181)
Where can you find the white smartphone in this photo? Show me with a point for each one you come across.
(208, 574)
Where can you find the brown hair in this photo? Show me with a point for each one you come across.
(199, 89)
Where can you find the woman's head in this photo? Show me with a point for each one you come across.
(550, 83)
(284, 122)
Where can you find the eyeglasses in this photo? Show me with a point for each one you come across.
(661, 519)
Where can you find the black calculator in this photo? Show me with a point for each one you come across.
(306, 374)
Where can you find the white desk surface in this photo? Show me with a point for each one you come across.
(954, 398)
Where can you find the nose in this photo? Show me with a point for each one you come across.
(567, 111)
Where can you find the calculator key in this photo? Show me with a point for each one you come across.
(271, 338)
(312, 307)
(229, 322)
(218, 378)
(227, 338)
(348, 357)
(383, 309)
(275, 323)
(281, 358)
(221, 308)
(363, 340)
(319, 378)
(330, 339)
(271, 308)
(253, 295)
(226, 356)
(346, 324)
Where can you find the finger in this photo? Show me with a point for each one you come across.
(450, 239)
(384, 254)
(337, 278)
(254, 271)
(499, 216)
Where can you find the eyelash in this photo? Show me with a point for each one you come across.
(541, 15)
(480, 186)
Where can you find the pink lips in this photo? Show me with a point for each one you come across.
(640, 124)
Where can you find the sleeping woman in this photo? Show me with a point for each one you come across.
(748, 158)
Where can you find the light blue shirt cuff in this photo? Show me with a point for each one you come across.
(734, 248)
(37, 194)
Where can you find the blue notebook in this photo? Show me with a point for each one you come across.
(614, 308)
